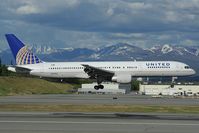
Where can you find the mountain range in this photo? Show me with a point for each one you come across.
(117, 52)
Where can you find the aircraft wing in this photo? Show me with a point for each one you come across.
(22, 69)
(97, 72)
(18, 69)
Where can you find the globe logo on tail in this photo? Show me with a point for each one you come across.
(25, 56)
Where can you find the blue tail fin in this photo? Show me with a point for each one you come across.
(20, 52)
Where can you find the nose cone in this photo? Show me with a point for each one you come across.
(193, 72)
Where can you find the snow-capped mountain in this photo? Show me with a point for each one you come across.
(43, 49)
(166, 49)
(154, 49)
(178, 50)
(120, 51)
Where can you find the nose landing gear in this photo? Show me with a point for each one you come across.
(97, 87)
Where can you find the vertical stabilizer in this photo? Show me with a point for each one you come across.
(20, 52)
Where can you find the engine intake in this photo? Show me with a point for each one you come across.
(122, 78)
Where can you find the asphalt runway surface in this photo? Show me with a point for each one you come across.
(21, 122)
(97, 99)
(66, 122)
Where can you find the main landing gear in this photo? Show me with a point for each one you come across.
(97, 87)
(99, 81)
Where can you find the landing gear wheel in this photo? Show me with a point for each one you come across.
(96, 87)
(101, 86)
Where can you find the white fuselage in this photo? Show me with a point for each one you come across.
(133, 68)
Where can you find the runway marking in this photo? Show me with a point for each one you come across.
(106, 123)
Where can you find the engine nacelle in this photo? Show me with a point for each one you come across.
(122, 78)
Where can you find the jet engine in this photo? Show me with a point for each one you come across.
(122, 78)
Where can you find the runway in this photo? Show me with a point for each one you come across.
(77, 122)
(21, 122)
(98, 99)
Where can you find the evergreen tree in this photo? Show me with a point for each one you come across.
(135, 85)
(4, 71)
(0, 67)
(0, 61)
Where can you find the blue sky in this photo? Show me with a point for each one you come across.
(95, 23)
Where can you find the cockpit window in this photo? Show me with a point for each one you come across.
(187, 67)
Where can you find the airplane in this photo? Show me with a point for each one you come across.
(113, 71)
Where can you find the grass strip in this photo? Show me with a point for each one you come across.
(99, 108)
(10, 86)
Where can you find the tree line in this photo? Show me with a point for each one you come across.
(3, 69)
